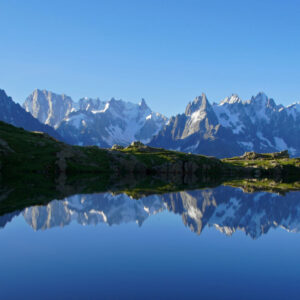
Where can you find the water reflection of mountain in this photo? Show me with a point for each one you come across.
(227, 209)
(93, 209)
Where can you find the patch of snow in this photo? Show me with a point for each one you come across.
(193, 147)
(247, 145)
(280, 144)
(197, 116)
(228, 119)
(293, 110)
(76, 119)
(292, 150)
(262, 138)
(231, 100)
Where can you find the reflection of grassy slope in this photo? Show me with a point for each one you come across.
(151, 185)
(267, 185)
(265, 163)
(17, 196)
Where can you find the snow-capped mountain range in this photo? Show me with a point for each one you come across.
(225, 208)
(224, 129)
(232, 127)
(95, 122)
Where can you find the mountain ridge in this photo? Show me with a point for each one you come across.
(12, 113)
(228, 128)
(93, 121)
(233, 125)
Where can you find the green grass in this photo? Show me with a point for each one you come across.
(253, 185)
(265, 163)
(94, 160)
(32, 153)
(35, 153)
(158, 156)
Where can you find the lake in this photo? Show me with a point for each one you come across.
(212, 243)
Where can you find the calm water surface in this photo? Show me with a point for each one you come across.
(217, 243)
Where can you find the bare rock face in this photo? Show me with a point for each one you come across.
(281, 154)
(137, 144)
(49, 108)
(117, 147)
(251, 155)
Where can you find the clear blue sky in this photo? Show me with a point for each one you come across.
(165, 51)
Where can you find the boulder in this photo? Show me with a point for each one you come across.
(281, 154)
(275, 155)
(137, 144)
(252, 155)
(117, 147)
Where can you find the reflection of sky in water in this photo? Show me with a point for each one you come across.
(162, 257)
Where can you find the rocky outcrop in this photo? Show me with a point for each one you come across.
(275, 155)
(117, 147)
(49, 108)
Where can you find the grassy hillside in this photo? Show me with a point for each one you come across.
(25, 156)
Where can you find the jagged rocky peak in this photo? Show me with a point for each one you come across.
(265, 100)
(6, 100)
(261, 99)
(50, 96)
(143, 105)
(261, 107)
(199, 103)
(3, 96)
(234, 98)
(117, 105)
(48, 107)
(90, 104)
(112, 122)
